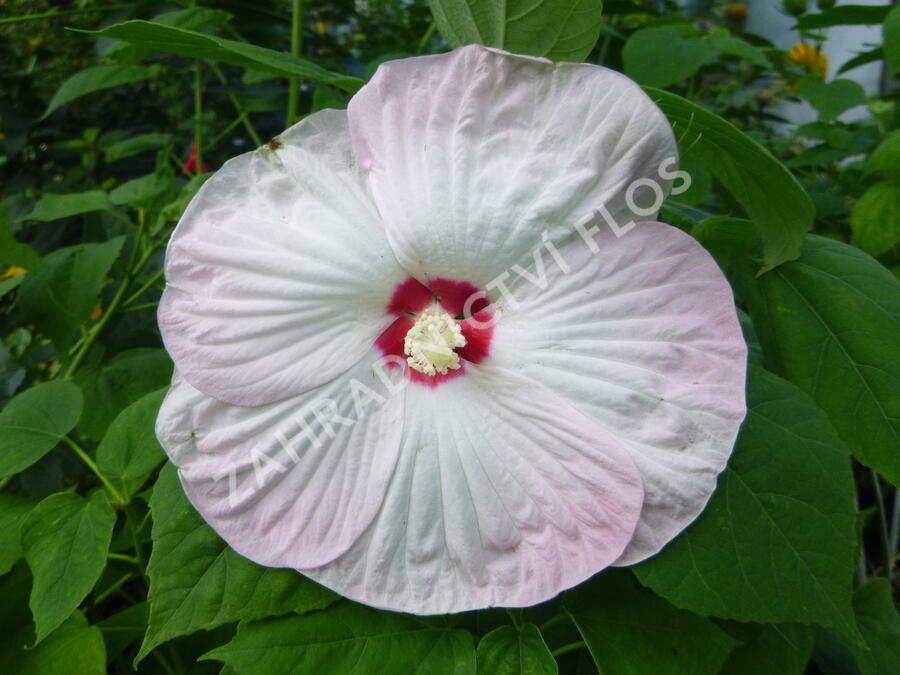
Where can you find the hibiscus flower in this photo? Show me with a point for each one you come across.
(414, 363)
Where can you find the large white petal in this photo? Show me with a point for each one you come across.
(643, 337)
(504, 495)
(473, 154)
(289, 484)
(279, 271)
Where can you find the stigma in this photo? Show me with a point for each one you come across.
(431, 343)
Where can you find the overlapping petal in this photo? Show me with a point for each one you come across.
(293, 483)
(503, 495)
(472, 155)
(642, 336)
(279, 271)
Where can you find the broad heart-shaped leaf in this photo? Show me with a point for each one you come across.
(72, 648)
(13, 510)
(562, 30)
(631, 631)
(129, 451)
(658, 57)
(777, 541)
(879, 623)
(829, 323)
(33, 423)
(771, 196)
(830, 99)
(875, 220)
(96, 78)
(110, 389)
(58, 206)
(60, 297)
(511, 651)
(66, 540)
(348, 638)
(197, 582)
(203, 46)
(767, 649)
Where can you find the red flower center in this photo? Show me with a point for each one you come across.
(465, 302)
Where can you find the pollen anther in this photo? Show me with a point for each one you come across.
(431, 343)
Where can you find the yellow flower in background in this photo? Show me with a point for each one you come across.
(97, 312)
(810, 57)
(13, 271)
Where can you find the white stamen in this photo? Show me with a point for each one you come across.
(430, 343)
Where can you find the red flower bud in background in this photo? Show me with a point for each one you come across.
(189, 168)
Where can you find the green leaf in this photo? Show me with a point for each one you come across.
(140, 191)
(510, 651)
(58, 206)
(875, 220)
(202, 46)
(861, 59)
(844, 15)
(735, 46)
(33, 423)
(829, 323)
(60, 297)
(96, 78)
(13, 510)
(126, 378)
(562, 30)
(129, 452)
(658, 57)
(197, 582)
(769, 547)
(885, 158)
(136, 145)
(348, 638)
(891, 31)
(16, 253)
(72, 648)
(630, 631)
(831, 99)
(772, 197)
(765, 650)
(65, 539)
(124, 628)
(727, 239)
(880, 625)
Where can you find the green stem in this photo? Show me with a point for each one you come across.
(124, 558)
(423, 43)
(882, 521)
(162, 662)
(113, 307)
(66, 12)
(296, 44)
(115, 586)
(239, 109)
(143, 289)
(94, 468)
(198, 117)
(141, 307)
(136, 540)
(222, 134)
(565, 649)
(551, 622)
